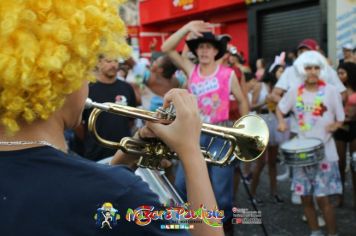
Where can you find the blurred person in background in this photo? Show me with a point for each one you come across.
(345, 136)
(291, 78)
(347, 54)
(160, 79)
(290, 58)
(234, 61)
(212, 84)
(265, 108)
(107, 88)
(122, 71)
(318, 109)
(157, 82)
(260, 69)
(226, 39)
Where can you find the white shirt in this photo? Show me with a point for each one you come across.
(334, 112)
(291, 79)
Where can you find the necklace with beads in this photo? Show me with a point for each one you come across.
(22, 142)
(317, 110)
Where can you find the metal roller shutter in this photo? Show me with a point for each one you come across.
(284, 29)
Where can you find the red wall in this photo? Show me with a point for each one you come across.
(152, 11)
(230, 15)
(239, 33)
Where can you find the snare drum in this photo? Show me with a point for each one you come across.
(302, 152)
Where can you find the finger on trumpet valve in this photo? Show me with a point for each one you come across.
(166, 113)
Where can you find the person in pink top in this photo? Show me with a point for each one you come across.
(345, 137)
(212, 92)
(212, 84)
(260, 69)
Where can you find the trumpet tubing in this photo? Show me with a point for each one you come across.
(246, 139)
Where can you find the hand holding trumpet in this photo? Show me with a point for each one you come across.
(181, 136)
(245, 140)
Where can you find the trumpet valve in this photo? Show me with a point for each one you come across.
(150, 162)
(167, 113)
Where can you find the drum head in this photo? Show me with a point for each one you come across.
(299, 144)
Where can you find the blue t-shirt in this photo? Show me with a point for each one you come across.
(44, 191)
(156, 102)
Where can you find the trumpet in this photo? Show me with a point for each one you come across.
(246, 140)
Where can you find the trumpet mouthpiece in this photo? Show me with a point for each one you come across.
(88, 103)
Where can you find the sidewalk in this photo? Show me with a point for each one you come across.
(286, 219)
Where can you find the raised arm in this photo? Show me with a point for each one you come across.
(276, 94)
(243, 84)
(282, 85)
(239, 95)
(170, 45)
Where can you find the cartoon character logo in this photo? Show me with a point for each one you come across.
(106, 216)
(216, 101)
(121, 100)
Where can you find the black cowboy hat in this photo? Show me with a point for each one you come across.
(208, 37)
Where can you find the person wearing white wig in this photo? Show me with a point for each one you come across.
(310, 58)
(292, 79)
(318, 109)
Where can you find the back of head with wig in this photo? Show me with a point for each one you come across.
(48, 49)
(309, 58)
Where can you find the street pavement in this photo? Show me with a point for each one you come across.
(285, 219)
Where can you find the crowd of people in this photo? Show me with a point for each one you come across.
(44, 127)
(215, 72)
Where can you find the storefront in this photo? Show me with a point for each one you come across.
(279, 25)
(160, 18)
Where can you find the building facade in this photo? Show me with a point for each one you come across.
(276, 25)
(160, 18)
(259, 28)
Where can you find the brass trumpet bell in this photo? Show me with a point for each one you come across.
(246, 140)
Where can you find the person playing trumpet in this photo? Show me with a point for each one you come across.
(49, 50)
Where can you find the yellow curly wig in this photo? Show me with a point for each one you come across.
(48, 49)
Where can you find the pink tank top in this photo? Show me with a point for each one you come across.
(212, 93)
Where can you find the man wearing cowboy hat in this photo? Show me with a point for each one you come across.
(208, 49)
(212, 84)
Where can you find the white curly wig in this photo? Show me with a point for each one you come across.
(310, 58)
